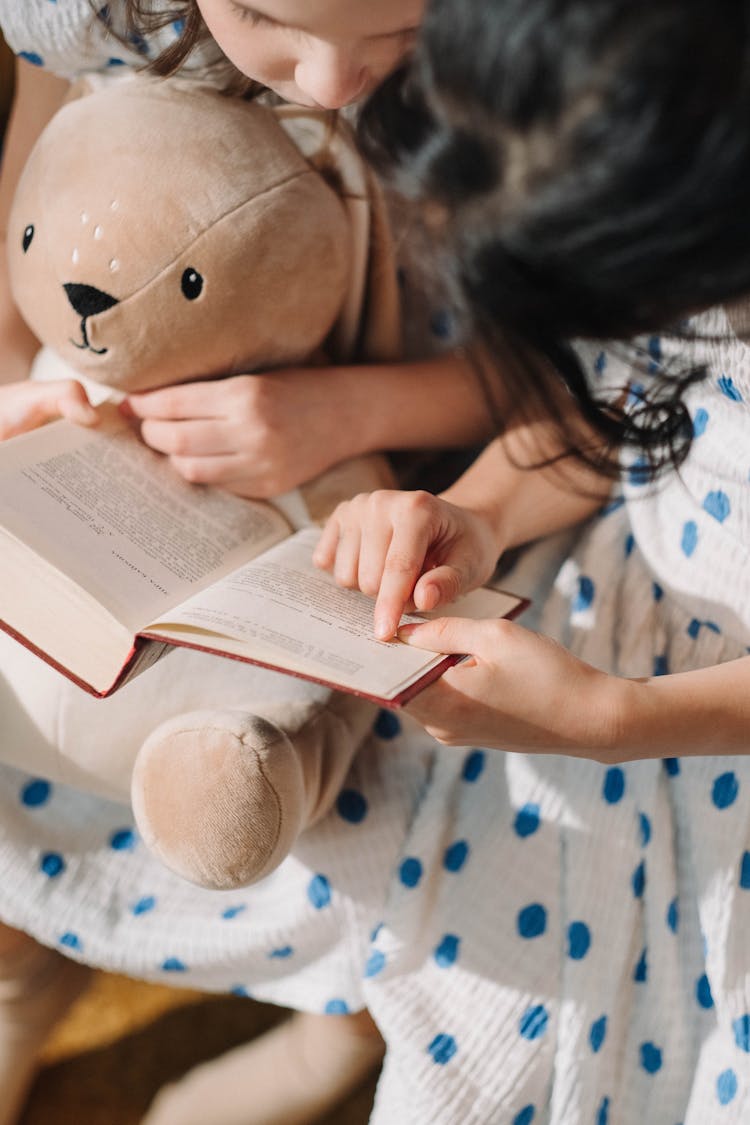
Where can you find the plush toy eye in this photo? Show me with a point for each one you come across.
(28, 234)
(191, 283)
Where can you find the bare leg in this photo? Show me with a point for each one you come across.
(292, 1075)
(37, 986)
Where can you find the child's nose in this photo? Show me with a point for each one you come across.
(331, 77)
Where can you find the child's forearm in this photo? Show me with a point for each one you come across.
(704, 712)
(433, 403)
(521, 503)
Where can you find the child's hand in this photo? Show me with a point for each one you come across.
(519, 691)
(26, 405)
(406, 549)
(254, 435)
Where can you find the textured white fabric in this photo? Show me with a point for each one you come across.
(72, 37)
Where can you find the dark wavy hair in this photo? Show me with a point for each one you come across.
(586, 164)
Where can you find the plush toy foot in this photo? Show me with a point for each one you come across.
(37, 986)
(292, 1075)
(220, 797)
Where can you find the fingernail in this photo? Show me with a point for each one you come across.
(405, 631)
(383, 628)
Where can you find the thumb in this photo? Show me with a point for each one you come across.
(440, 586)
(449, 635)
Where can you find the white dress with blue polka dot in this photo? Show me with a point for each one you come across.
(565, 942)
(544, 941)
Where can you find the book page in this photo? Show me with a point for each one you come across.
(113, 516)
(286, 612)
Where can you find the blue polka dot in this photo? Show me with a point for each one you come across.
(442, 1049)
(473, 765)
(351, 805)
(240, 990)
(336, 1007)
(387, 725)
(655, 353)
(319, 891)
(527, 820)
(717, 505)
(104, 14)
(375, 963)
(727, 387)
(629, 545)
(144, 905)
(614, 785)
(661, 665)
(584, 595)
(532, 920)
(114, 61)
(651, 1058)
(233, 912)
(598, 1034)
(703, 992)
(281, 953)
(671, 766)
(745, 871)
(640, 972)
(725, 790)
(446, 953)
(639, 472)
(456, 855)
(138, 42)
(524, 1116)
(32, 57)
(71, 941)
(123, 840)
(375, 931)
(579, 940)
(695, 626)
(52, 864)
(644, 825)
(36, 793)
(174, 965)
(638, 879)
(700, 421)
(178, 26)
(600, 363)
(602, 1114)
(689, 540)
(533, 1022)
(741, 1030)
(726, 1086)
(656, 591)
(673, 915)
(410, 871)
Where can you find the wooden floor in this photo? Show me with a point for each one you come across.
(124, 1039)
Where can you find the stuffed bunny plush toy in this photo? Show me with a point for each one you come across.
(162, 232)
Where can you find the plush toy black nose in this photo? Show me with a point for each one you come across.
(88, 301)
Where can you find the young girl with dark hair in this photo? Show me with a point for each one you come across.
(577, 937)
(542, 937)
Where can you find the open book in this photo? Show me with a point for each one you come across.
(108, 558)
